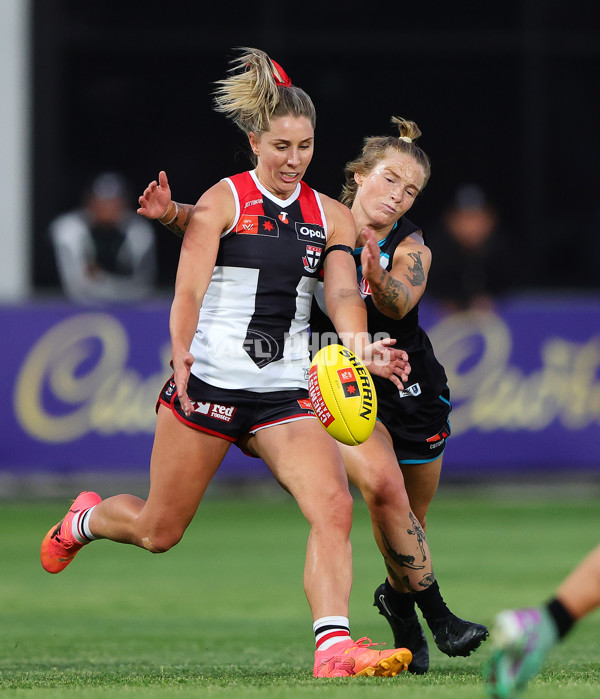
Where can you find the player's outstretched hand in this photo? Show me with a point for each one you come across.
(156, 197)
(381, 359)
(182, 367)
(369, 257)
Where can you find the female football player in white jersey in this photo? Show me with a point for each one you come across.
(239, 333)
(398, 468)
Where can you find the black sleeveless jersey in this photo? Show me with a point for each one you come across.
(427, 379)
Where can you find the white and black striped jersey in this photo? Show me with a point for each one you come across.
(252, 329)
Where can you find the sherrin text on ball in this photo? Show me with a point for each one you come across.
(342, 394)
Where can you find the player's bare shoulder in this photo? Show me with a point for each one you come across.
(219, 193)
(216, 205)
(415, 252)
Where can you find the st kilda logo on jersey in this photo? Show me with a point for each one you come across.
(252, 224)
(312, 257)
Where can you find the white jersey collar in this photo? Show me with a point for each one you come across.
(280, 202)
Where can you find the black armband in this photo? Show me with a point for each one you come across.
(345, 248)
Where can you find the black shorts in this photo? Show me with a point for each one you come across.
(232, 415)
(418, 437)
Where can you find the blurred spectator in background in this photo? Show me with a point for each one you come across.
(103, 250)
(473, 263)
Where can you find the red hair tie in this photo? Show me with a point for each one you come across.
(281, 77)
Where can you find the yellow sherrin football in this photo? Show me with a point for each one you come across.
(342, 394)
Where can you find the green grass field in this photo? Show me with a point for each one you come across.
(224, 614)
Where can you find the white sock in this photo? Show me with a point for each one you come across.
(330, 630)
(80, 526)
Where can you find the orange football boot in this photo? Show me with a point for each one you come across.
(356, 659)
(59, 545)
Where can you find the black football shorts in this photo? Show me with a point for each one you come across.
(232, 414)
(419, 436)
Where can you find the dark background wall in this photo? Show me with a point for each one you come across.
(506, 95)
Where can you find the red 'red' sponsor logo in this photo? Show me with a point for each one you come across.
(305, 403)
(217, 411)
(224, 413)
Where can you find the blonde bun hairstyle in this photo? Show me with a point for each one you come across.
(375, 149)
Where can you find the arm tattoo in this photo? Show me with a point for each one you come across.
(177, 227)
(417, 273)
(390, 295)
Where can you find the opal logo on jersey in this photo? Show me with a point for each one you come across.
(312, 257)
(311, 232)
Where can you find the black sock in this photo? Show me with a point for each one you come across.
(432, 605)
(563, 619)
(401, 603)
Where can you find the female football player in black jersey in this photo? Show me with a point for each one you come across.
(393, 263)
(249, 264)
(398, 468)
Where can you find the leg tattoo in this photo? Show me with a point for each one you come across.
(417, 530)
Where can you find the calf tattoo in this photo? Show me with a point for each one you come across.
(401, 559)
(394, 559)
(420, 534)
